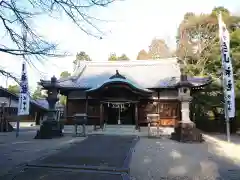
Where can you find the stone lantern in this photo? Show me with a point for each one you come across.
(184, 96)
(185, 130)
(51, 127)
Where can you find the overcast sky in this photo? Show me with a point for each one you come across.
(135, 24)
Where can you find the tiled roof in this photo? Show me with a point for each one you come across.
(44, 103)
(147, 73)
(162, 73)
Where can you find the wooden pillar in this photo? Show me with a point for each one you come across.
(159, 109)
(86, 108)
(136, 116)
(66, 110)
(9, 103)
(101, 115)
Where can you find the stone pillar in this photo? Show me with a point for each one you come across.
(51, 127)
(185, 99)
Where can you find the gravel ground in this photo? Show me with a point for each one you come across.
(159, 159)
(235, 139)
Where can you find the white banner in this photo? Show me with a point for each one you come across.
(24, 98)
(228, 80)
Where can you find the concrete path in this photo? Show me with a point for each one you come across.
(63, 174)
(105, 152)
(98, 156)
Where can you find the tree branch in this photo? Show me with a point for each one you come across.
(16, 18)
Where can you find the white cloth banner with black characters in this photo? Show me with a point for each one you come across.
(24, 98)
(228, 80)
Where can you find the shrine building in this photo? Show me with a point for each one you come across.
(126, 92)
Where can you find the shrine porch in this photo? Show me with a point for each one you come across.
(133, 113)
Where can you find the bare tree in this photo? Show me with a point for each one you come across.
(197, 39)
(16, 19)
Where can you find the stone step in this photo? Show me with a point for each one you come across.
(162, 130)
(119, 130)
(120, 126)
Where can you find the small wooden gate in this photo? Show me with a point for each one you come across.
(169, 112)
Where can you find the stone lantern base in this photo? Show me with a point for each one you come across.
(187, 132)
(50, 128)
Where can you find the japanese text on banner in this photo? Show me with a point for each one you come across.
(228, 81)
(23, 106)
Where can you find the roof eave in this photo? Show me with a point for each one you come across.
(17, 98)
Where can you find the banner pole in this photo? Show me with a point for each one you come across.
(228, 130)
(227, 124)
(226, 108)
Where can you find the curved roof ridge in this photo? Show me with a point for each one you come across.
(117, 80)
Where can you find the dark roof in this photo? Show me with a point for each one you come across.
(44, 103)
(32, 101)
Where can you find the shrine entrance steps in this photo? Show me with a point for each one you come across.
(130, 130)
(117, 130)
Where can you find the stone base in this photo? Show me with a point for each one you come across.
(187, 132)
(50, 129)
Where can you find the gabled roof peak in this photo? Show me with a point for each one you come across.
(117, 75)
